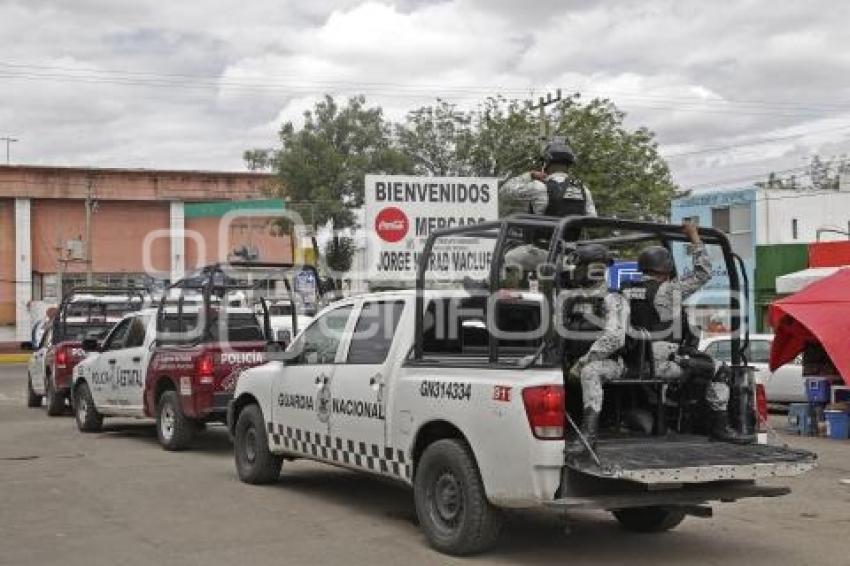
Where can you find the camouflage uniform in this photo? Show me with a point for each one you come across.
(602, 363)
(668, 304)
(525, 188)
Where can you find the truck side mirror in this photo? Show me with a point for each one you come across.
(91, 345)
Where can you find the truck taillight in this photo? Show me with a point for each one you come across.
(761, 408)
(545, 406)
(205, 368)
(61, 357)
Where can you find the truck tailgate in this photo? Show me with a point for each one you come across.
(690, 459)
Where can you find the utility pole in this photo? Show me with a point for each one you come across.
(8, 141)
(89, 211)
(541, 105)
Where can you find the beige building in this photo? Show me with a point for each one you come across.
(145, 224)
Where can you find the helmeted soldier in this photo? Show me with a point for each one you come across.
(553, 191)
(595, 324)
(659, 310)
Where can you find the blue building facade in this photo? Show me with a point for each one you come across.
(734, 212)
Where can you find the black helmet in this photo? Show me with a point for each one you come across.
(592, 253)
(655, 259)
(558, 152)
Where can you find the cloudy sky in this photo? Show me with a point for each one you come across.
(732, 89)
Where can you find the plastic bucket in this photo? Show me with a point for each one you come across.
(837, 424)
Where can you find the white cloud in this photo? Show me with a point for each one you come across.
(222, 78)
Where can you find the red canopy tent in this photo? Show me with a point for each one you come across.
(819, 312)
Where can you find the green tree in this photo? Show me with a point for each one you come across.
(438, 139)
(622, 167)
(322, 165)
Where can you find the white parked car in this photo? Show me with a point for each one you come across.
(785, 385)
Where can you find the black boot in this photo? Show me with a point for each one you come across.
(720, 429)
(590, 431)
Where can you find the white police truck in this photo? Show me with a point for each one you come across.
(457, 393)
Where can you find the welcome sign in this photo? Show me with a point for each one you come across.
(402, 211)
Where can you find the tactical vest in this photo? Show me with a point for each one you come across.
(584, 319)
(565, 198)
(643, 314)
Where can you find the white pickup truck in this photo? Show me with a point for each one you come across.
(469, 435)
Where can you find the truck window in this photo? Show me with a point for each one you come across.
(116, 339)
(45, 338)
(320, 342)
(241, 327)
(722, 351)
(459, 326)
(136, 333)
(373, 334)
(280, 310)
(759, 351)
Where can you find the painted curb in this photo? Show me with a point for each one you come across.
(14, 358)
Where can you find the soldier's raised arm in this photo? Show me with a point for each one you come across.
(701, 273)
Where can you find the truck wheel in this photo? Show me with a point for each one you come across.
(55, 401)
(649, 519)
(174, 429)
(255, 463)
(452, 507)
(33, 398)
(85, 413)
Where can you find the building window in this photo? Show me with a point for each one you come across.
(794, 228)
(735, 222)
(720, 219)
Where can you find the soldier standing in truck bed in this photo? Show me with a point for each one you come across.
(554, 191)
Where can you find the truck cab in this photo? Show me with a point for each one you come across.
(83, 313)
(457, 388)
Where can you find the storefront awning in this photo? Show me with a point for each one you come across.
(819, 312)
(799, 280)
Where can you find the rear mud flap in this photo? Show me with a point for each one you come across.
(676, 459)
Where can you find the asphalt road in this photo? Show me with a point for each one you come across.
(117, 498)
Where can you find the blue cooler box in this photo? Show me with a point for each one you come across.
(837, 425)
(801, 419)
(817, 389)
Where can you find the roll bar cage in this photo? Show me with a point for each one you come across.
(135, 298)
(568, 227)
(213, 279)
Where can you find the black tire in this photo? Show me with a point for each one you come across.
(85, 413)
(33, 398)
(174, 429)
(55, 401)
(255, 463)
(649, 519)
(451, 503)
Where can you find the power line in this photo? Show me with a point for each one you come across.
(429, 87)
(390, 89)
(753, 177)
(752, 143)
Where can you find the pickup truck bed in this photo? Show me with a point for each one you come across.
(691, 459)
